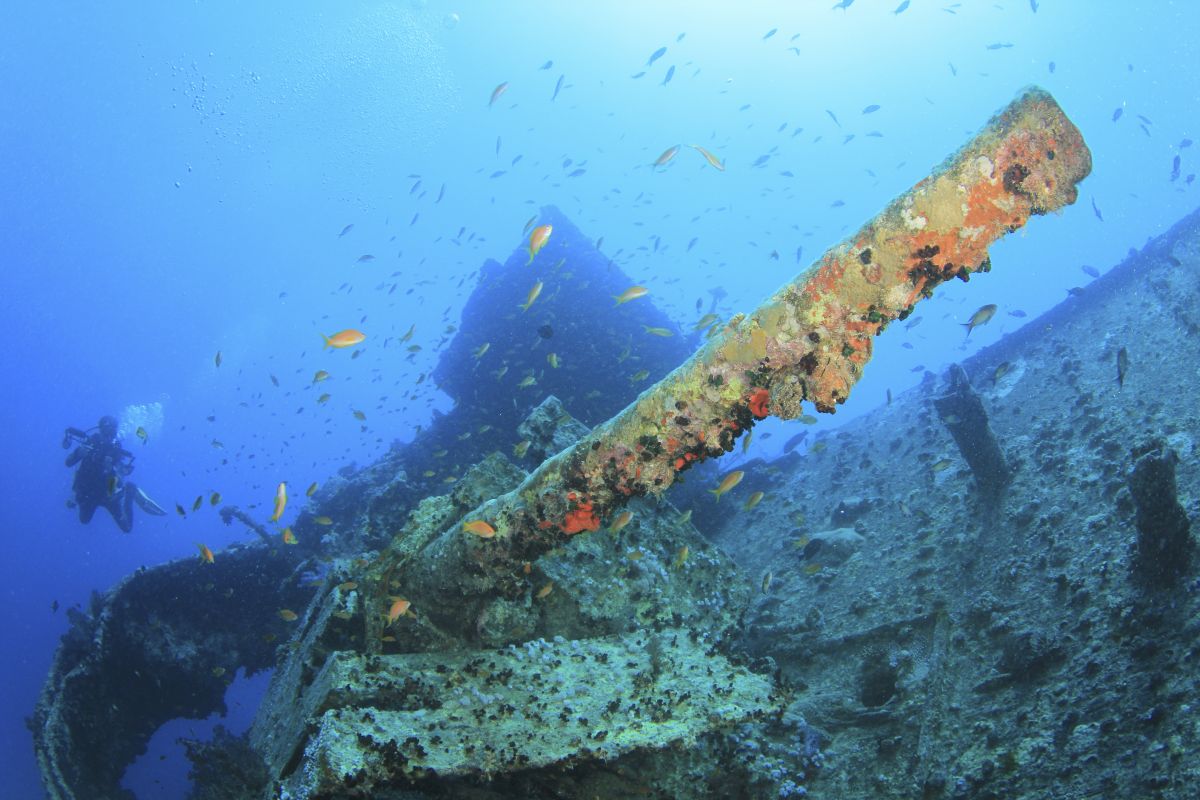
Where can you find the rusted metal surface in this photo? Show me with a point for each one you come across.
(809, 342)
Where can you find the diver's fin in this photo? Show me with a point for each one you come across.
(148, 505)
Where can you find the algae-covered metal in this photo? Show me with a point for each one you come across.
(809, 342)
(439, 716)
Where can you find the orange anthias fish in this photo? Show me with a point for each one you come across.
(280, 501)
(288, 536)
(666, 156)
(346, 338)
(480, 528)
(533, 295)
(709, 157)
(399, 606)
(545, 591)
(980, 317)
(537, 240)
(287, 615)
(206, 555)
(731, 480)
(499, 90)
(632, 293)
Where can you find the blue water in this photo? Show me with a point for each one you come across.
(176, 177)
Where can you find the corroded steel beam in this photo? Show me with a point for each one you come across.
(810, 341)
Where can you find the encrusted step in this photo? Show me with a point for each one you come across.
(390, 719)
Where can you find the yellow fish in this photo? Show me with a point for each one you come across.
(480, 528)
(323, 520)
(346, 338)
(398, 608)
(754, 500)
(666, 156)
(320, 375)
(311, 490)
(288, 536)
(537, 240)
(360, 416)
(705, 321)
(731, 480)
(621, 521)
(206, 555)
(941, 465)
(287, 615)
(639, 376)
(746, 442)
(521, 448)
(552, 358)
(533, 295)
(709, 157)
(324, 398)
(545, 591)
(280, 501)
(214, 498)
(141, 434)
(980, 317)
(681, 557)
(1001, 370)
(526, 382)
(657, 331)
(483, 348)
(632, 293)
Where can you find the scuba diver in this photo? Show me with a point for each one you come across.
(100, 479)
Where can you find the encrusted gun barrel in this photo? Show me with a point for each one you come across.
(809, 342)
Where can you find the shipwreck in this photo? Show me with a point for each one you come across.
(579, 651)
